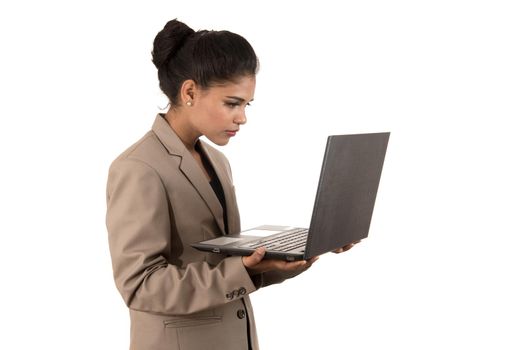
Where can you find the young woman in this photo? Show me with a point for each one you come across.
(171, 189)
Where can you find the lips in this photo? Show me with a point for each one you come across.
(231, 132)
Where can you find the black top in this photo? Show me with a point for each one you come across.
(219, 191)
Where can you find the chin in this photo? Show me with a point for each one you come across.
(220, 142)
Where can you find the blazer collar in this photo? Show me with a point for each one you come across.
(190, 168)
(168, 137)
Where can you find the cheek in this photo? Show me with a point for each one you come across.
(218, 116)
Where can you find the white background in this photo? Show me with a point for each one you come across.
(443, 266)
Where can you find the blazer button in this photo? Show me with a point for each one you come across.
(242, 291)
(241, 314)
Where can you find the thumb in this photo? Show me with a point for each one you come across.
(255, 258)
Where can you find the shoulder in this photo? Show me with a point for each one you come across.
(140, 149)
(148, 151)
(139, 165)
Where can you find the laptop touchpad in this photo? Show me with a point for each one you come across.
(223, 240)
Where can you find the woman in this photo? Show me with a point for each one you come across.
(170, 189)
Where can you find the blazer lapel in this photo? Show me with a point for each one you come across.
(194, 174)
(231, 208)
(190, 168)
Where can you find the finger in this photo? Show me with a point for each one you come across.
(345, 248)
(291, 266)
(255, 258)
(349, 246)
(313, 259)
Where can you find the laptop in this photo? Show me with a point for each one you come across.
(343, 207)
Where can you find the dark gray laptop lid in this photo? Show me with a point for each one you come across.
(346, 191)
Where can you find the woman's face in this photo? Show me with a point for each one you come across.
(218, 111)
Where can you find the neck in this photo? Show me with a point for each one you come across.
(179, 122)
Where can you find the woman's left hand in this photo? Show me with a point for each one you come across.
(345, 248)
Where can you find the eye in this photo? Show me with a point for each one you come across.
(232, 104)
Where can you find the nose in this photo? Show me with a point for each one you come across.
(240, 119)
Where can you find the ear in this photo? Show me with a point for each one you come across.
(187, 91)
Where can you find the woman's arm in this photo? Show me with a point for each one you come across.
(139, 228)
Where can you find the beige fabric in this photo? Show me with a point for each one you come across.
(158, 203)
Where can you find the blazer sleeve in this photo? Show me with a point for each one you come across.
(138, 224)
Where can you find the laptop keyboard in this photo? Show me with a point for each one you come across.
(285, 242)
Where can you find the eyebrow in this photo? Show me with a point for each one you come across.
(239, 99)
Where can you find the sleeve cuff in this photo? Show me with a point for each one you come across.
(241, 281)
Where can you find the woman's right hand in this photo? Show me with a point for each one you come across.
(255, 264)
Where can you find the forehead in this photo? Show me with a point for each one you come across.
(243, 87)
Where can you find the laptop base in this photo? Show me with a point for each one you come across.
(240, 244)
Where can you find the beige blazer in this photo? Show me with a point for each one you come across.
(158, 203)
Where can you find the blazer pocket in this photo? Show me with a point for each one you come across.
(192, 321)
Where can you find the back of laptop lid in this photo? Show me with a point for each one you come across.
(346, 191)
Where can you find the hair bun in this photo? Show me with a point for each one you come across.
(169, 40)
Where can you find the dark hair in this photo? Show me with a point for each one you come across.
(207, 57)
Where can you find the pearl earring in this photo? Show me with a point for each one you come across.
(189, 103)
